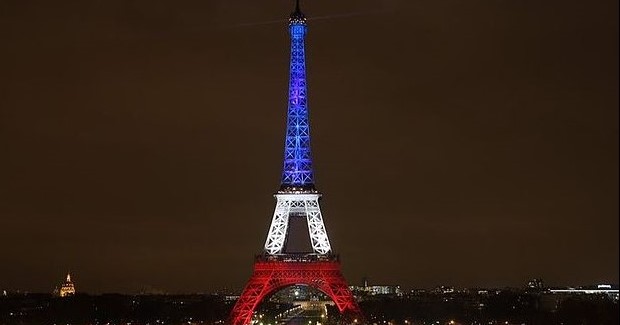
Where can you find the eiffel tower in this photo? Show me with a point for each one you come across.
(297, 197)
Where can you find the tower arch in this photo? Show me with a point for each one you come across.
(269, 276)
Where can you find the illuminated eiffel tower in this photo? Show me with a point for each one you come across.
(297, 198)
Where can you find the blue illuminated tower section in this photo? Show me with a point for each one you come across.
(297, 173)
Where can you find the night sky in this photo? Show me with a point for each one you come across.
(466, 143)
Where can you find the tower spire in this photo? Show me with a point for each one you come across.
(297, 10)
(297, 171)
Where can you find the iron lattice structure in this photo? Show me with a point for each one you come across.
(297, 171)
(297, 205)
(297, 198)
(269, 276)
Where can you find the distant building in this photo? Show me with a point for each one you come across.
(297, 293)
(536, 284)
(66, 289)
(375, 290)
(229, 298)
(601, 289)
(444, 289)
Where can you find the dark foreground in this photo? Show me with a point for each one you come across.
(497, 308)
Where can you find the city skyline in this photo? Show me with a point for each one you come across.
(363, 286)
(468, 145)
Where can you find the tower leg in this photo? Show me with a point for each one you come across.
(316, 228)
(279, 224)
(257, 288)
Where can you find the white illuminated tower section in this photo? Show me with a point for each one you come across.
(297, 196)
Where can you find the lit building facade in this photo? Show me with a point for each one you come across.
(375, 290)
(67, 288)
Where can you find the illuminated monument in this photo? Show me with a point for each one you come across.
(67, 288)
(276, 269)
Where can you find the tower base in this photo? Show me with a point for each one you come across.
(274, 273)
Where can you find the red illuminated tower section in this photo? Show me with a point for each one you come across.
(276, 268)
